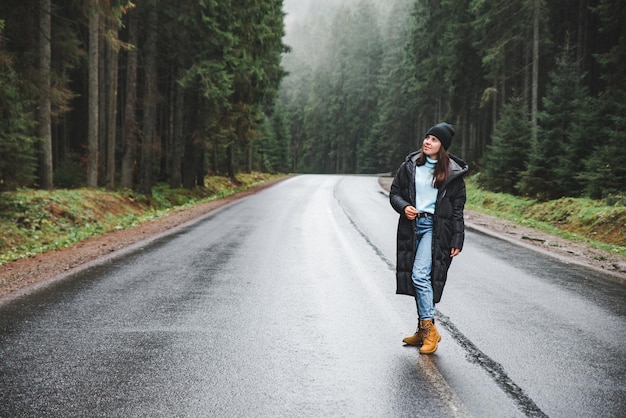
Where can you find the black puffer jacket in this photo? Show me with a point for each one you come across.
(448, 229)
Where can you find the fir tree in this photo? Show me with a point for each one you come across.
(605, 166)
(605, 169)
(507, 155)
(557, 156)
(18, 159)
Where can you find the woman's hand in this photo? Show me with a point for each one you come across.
(454, 252)
(410, 212)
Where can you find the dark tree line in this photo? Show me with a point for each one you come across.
(121, 93)
(535, 89)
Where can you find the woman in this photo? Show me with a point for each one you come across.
(428, 191)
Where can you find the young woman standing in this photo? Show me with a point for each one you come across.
(428, 191)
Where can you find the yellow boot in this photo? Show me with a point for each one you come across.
(432, 336)
(416, 339)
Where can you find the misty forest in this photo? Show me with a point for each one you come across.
(128, 94)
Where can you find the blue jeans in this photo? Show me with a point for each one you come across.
(422, 267)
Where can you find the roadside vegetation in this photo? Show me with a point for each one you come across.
(36, 221)
(599, 223)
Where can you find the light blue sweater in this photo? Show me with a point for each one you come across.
(425, 192)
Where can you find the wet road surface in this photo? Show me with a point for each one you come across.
(283, 304)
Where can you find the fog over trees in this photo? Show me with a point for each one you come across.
(534, 88)
(126, 94)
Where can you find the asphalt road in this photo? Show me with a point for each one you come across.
(283, 304)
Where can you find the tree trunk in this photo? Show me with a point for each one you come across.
(214, 155)
(188, 169)
(526, 89)
(178, 144)
(103, 87)
(92, 130)
(231, 162)
(494, 108)
(130, 117)
(45, 129)
(200, 167)
(581, 42)
(149, 102)
(535, 81)
(112, 106)
(250, 149)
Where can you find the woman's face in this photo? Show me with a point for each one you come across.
(431, 146)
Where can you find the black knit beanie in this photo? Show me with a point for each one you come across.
(444, 132)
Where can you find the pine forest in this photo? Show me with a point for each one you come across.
(127, 94)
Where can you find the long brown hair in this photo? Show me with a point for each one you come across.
(442, 168)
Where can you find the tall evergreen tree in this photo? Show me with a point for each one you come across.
(464, 73)
(430, 88)
(557, 155)
(365, 61)
(18, 162)
(605, 172)
(392, 136)
(45, 102)
(256, 66)
(113, 17)
(335, 107)
(317, 152)
(507, 154)
(151, 94)
(93, 15)
(129, 127)
(502, 29)
(272, 145)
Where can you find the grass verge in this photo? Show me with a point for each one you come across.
(597, 223)
(36, 221)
